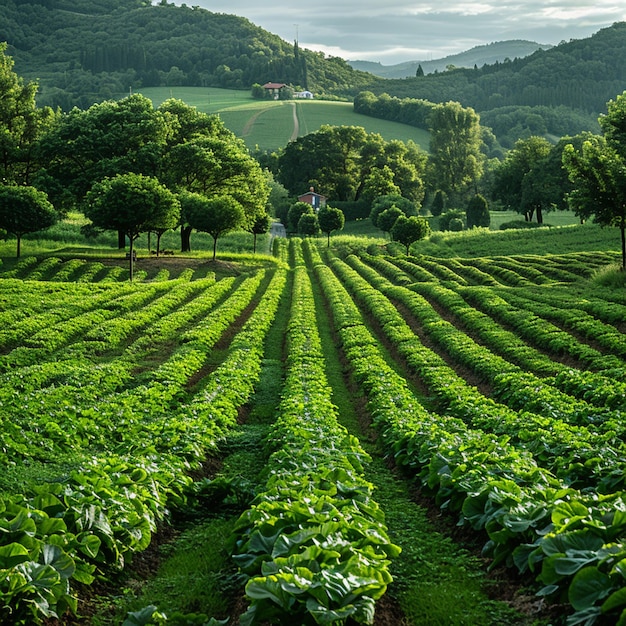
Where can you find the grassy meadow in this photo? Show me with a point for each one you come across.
(271, 124)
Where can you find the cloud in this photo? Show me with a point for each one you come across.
(419, 30)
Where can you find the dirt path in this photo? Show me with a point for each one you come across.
(252, 121)
(296, 123)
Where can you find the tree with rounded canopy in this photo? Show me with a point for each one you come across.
(260, 226)
(343, 159)
(513, 177)
(384, 202)
(598, 171)
(408, 230)
(450, 220)
(388, 218)
(379, 183)
(329, 220)
(308, 224)
(217, 165)
(132, 204)
(296, 211)
(456, 160)
(25, 210)
(547, 184)
(477, 212)
(109, 138)
(217, 216)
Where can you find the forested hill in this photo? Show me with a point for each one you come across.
(82, 51)
(477, 56)
(556, 92)
(580, 74)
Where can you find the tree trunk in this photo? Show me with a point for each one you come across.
(623, 229)
(254, 244)
(131, 261)
(158, 248)
(214, 247)
(185, 238)
(19, 245)
(539, 215)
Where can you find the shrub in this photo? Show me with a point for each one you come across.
(612, 276)
(448, 216)
(477, 212)
(439, 203)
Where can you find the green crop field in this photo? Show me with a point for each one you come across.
(490, 364)
(271, 124)
(237, 399)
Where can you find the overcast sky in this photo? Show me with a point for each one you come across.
(393, 31)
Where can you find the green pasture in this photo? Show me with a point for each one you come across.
(271, 124)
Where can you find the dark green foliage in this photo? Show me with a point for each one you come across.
(84, 147)
(408, 230)
(388, 218)
(260, 226)
(217, 216)
(21, 124)
(330, 219)
(105, 48)
(456, 160)
(308, 224)
(405, 110)
(511, 123)
(341, 161)
(24, 210)
(439, 203)
(445, 221)
(514, 178)
(132, 204)
(558, 92)
(383, 203)
(477, 212)
(580, 75)
(456, 225)
(296, 211)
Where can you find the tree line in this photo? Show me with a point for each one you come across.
(462, 176)
(127, 166)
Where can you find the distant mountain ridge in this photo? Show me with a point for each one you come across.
(478, 56)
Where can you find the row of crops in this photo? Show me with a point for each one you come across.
(506, 404)
(533, 455)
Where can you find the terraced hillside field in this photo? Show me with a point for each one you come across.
(493, 388)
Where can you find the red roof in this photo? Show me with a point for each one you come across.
(274, 85)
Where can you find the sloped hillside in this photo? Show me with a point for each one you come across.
(86, 50)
